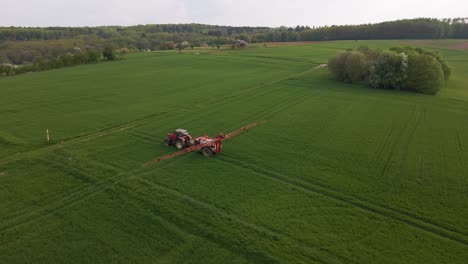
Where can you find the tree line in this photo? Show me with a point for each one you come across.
(76, 57)
(411, 69)
(423, 28)
(23, 45)
(420, 28)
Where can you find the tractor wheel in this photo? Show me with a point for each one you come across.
(179, 144)
(207, 152)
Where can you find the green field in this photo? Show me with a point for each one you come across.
(337, 174)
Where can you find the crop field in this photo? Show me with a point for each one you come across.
(337, 174)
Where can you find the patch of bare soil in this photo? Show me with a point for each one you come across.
(296, 43)
(460, 46)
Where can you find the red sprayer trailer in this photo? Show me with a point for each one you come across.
(207, 145)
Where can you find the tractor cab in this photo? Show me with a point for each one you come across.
(180, 138)
(181, 133)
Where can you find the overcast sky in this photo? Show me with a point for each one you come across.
(221, 12)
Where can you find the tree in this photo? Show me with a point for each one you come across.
(108, 53)
(170, 45)
(389, 70)
(337, 66)
(181, 45)
(356, 67)
(425, 74)
(124, 51)
(93, 56)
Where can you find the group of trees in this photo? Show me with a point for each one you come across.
(411, 69)
(66, 60)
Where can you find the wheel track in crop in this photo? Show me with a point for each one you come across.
(460, 146)
(328, 123)
(68, 200)
(394, 145)
(108, 183)
(60, 204)
(232, 216)
(356, 201)
(269, 112)
(462, 160)
(104, 184)
(9, 222)
(81, 194)
(388, 135)
(21, 213)
(145, 120)
(409, 139)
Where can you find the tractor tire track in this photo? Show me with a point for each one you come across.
(460, 146)
(139, 122)
(74, 172)
(462, 160)
(269, 112)
(71, 199)
(329, 122)
(60, 204)
(327, 191)
(230, 215)
(409, 139)
(100, 186)
(393, 146)
(388, 135)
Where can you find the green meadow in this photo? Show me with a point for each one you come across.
(337, 174)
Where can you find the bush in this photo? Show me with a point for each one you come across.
(445, 68)
(425, 74)
(409, 50)
(108, 53)
(93, 56)
(356, 67)
(388, 71)
(337, 66)
(407, 68)
(349, 66)
(170, 45)
(124, 51)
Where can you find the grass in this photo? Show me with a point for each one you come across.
(338, 173)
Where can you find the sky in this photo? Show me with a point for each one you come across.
(273, 13)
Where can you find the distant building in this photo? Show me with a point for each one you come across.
(241, 43)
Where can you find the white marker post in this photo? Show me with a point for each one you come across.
(48, 137)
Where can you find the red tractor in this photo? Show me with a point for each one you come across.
(179, 138)
(208, 146)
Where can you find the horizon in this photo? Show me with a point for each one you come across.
(227, 25)
(240, 13)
